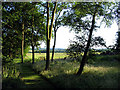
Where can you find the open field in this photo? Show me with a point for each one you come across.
(38, 55)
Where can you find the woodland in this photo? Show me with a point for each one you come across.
(25, 25)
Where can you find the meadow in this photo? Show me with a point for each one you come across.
(38, 55)
(99, 72)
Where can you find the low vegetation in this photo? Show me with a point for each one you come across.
(98, 73)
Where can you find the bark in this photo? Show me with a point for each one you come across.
(54, 45)
(53, 15)
(22, 48)
(87, 48)
(55, 31)
(32, 54)
(48, 41)
(49, 34)
(32, 40)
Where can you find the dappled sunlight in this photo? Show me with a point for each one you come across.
(32, 77)
(100, 74)
(100, 69)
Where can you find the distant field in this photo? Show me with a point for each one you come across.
(38, 55)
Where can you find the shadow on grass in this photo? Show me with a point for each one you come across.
(27, 79)
(87, 80)
(12, 83)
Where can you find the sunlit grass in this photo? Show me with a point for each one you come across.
(32, 77)
(38, 55)
(103, 72)
(100, 74)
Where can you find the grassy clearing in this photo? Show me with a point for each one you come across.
(101, 73)
(28, 57)
(38, 55)
(22, 76)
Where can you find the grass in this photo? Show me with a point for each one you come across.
(26, 78)
(28, 57)
(102, 73)
(38, 55)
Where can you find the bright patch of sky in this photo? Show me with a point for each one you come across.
(108, 34)
(64, 36)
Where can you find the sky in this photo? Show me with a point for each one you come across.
(64, 36)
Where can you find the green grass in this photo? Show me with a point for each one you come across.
(38, 55)
(24, 77)
(102, 73)
(28, 57)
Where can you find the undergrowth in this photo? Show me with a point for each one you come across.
(100, 73)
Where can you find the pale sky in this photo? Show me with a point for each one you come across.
(64, 36)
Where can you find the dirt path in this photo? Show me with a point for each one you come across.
(31, 79)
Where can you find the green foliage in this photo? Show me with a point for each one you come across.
(6, 59)
(26, 50)
(76, 48)
(10, 70)
(14, 15)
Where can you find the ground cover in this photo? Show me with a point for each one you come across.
(103, 72)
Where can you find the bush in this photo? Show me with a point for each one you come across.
(10, 70)
(6, 59)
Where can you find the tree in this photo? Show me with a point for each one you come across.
(37, 25)
(118, 33)
(57, 23)
(76, 48)
(49, 33)
(84, 16)
(15, 16)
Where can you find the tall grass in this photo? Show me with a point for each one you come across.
(100, 74)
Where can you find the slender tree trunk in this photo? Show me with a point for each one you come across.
(32, 54)
(54, 45)
(49, 33)
(32, 40)
(86, 50)
(32, 48)
(48, 41)
(22, 48)
(53, 15)
(48, 55)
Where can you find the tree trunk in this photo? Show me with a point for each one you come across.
(48, 55)
(32, 54)
(49, 34)
(48, 41)
(22, 48)
(54, 45)
(53, 15)
(32, 39)
(32, 47)
(86, 50)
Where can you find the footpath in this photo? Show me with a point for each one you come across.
(32, 79)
